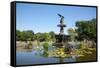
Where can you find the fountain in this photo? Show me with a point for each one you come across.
(61, 38)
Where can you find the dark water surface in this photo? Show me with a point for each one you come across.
(28, 58)
(31, 57)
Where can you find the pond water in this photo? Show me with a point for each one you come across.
(30, 57)
(33, 56)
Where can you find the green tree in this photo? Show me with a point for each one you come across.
(45, 48)
(18, 35)
(73, 34)
(86, 29)
(37, 36)
(52, 35)
(47, 36)
(24, 35)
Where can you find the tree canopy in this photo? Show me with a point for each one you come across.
(73, 34)
(29, 35)
(24, 35)
(86, 29)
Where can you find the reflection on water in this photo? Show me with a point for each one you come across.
(25, 58)
(40, 55)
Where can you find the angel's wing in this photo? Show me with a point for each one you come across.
(59, 15)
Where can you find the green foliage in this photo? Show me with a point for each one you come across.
(18, 35)
(52, 35)
(45, 46)
(47, 36)
(42, 36)
(45, 54)
(73, 34)
(37, 36)
(29, 35)
(24, 35)
(82, 45)
(86, 29)
(59, 52)
(86, 54)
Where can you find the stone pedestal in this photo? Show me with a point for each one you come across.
(61, 40)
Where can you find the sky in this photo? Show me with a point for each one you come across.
(44, 18)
